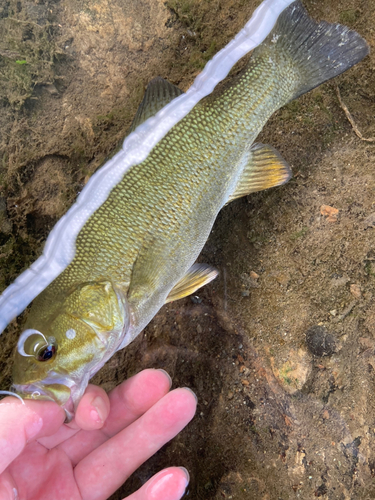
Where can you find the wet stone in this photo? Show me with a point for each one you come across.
(195, 299)
(320, 342)
(292, 369)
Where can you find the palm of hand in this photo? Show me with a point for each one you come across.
(90, 458)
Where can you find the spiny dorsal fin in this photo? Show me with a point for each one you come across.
(159, 92)
(197, 276)
(264, 168)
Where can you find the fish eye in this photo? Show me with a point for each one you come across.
(33, 343)
(46, 353)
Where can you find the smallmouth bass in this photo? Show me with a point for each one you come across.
(137, 250)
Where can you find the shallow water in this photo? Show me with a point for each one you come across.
(275, 418)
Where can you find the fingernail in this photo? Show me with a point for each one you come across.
(193, 393)
(99, 411)
(167, 375)
(186, 472)
(167, 485)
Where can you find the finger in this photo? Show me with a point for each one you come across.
(134, 397)
(116, 459)
(91, 413)
(169, 484)
(93, 409)
(128, 402)
(20, 423)
(8, 488)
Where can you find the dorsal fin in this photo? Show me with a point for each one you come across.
(264, 168)
(159, 93)
(196, 277)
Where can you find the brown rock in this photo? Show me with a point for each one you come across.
(355, 290)
(292, 372)
(329, 212)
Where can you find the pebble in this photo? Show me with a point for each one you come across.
(195, 299)
(355, 290)
(320, 342)
(292, 369)
(330, 212)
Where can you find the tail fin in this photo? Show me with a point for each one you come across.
(317, 51)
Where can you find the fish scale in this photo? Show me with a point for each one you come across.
(162, 184)
(141, 181)
(137, 250)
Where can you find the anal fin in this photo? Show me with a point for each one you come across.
(196, 277)
(264, 168)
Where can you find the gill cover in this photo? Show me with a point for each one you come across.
(100, 306)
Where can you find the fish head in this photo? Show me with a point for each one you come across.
(56, 357)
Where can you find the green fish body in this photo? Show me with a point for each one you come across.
(137, 250)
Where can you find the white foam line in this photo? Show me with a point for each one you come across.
(60, 245)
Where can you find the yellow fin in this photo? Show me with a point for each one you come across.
(159, 93)
(264, 168)
(197, 276)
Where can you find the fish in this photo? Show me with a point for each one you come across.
(130, 243)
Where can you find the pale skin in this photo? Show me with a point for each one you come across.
(110, 437)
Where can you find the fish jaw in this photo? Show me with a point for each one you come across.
(62, 392)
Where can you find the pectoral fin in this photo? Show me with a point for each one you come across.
(159, 92)
(197, 276)
(264, 168)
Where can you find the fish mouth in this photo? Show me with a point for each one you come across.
(57, 391)
(31, 391)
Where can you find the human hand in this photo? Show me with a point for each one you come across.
(110, 437)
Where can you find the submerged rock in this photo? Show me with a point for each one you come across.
(320, 342)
